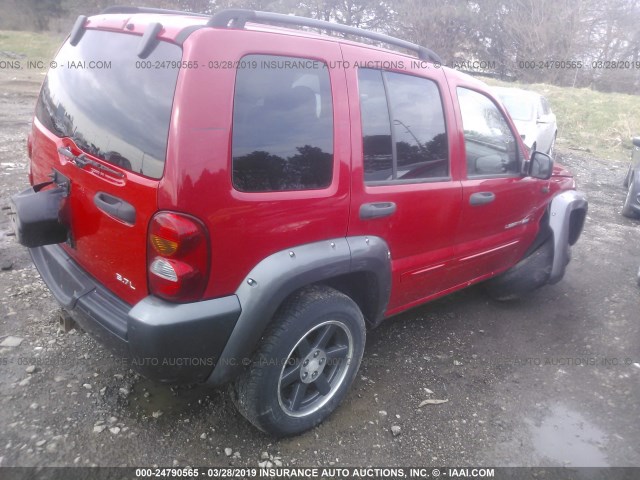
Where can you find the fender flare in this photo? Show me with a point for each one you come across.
(276, 277)
(560, 213)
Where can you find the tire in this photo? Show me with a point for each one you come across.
(529, 274)
(306, 363)
(627, 209)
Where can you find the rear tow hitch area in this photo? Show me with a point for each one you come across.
(65, 322)
(37, 213)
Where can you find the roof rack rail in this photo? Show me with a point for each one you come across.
(161, 11)
(237, 18)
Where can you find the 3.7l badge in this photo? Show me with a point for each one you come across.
(124, 280)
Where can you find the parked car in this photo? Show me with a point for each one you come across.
(234, 202)
(631, 182)
(533, 117)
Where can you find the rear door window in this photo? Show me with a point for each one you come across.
(282, 125)
(403, 128)
(113, 105)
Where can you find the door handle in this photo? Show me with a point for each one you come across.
(481, 198)
(369, 211)
(115, 207)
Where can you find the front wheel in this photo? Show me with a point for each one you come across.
(527, 275)
(306, 363)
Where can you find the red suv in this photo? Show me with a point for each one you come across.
(224, 201)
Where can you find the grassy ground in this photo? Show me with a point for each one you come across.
(35, 46)
(24, 60)
(596, 122)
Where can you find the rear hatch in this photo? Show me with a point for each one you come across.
(102, 121)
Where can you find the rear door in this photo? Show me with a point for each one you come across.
(102, 121)
(402, 186)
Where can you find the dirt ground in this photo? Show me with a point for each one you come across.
(552, 380)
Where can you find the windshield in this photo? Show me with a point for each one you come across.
(520, 108)
(101, 96)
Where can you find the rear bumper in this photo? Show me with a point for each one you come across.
(166, 342)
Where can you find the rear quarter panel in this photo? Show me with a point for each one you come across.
(245, 228)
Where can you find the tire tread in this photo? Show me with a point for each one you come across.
(245, 391)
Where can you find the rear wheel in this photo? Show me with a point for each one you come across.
(306, 363)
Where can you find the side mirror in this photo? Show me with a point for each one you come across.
(540, 166)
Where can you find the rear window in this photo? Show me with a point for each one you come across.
(101, 95)
(282, 125)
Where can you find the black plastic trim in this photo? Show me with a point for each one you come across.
(115, 207)
(481, 198)
(560, 210)
(180, 343)
(78, 30)
(69, 284)
(171, 343)
(237, 18)
(186, 32)
(276, 277)
(370, 211)
(149, 40)
(232, 17)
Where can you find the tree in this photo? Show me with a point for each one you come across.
(523, 33)
(42, 11)
(448, 27)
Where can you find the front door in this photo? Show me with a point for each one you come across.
(500, 206)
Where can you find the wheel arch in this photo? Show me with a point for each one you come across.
(567, 214)
(546, 259)
(359, 266)
(362, 287)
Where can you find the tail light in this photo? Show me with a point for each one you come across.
(177, 257)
